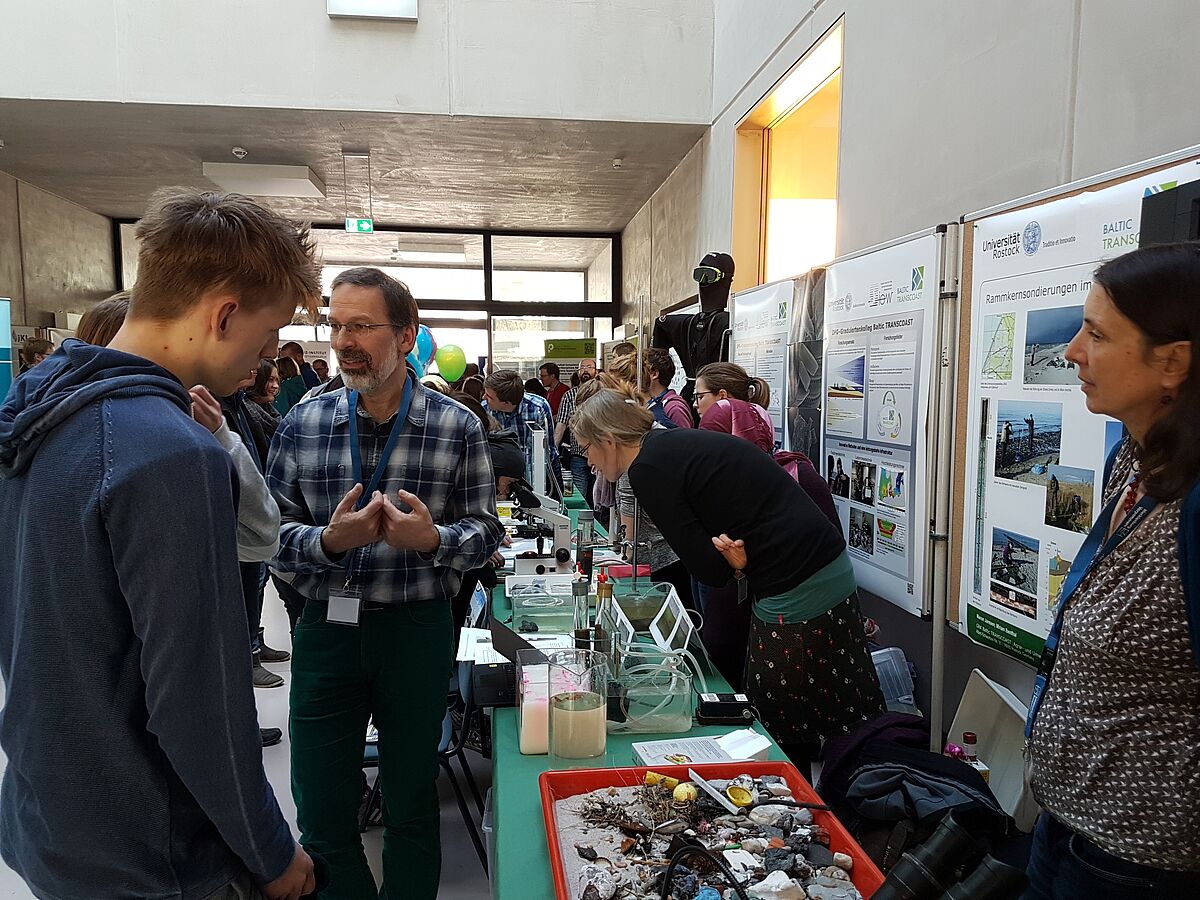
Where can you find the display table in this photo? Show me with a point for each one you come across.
(522, 861)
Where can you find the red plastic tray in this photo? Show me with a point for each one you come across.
(571, 782)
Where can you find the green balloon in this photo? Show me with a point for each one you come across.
(451, 362)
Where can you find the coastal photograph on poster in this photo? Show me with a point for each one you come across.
(835, 475)
(1047, 333)
(999, 337)
(1015, 559)
(892, 491)
(862, 482)
(845, 397)
(1011, 598)
(862, 531)
(1069, 493)
(1057, 567)
(1028, 439)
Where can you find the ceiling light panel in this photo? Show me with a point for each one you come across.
(265, 181)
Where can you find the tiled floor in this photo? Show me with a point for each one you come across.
(462, 877)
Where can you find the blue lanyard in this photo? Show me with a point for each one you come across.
(393, 437)
(1089, 556)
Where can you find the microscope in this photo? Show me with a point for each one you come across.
(541, 518)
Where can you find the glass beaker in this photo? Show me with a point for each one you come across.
(578, 706)
(533, 702)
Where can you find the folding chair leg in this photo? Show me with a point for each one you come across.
(373, 800)
(465, 811)
(471, 782)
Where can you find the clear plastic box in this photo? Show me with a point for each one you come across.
(892, 668)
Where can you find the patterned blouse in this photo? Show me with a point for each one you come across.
(1115, 751)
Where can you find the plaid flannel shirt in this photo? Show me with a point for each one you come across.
(532, 410)
(566, 409)
(441, 456)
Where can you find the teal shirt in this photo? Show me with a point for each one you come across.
(290, 393)
(811, 598)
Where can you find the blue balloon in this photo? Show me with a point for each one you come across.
(417, 365)
(426, 346)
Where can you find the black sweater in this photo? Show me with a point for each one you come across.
(696, 485)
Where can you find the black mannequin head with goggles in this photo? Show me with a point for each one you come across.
(715, 277)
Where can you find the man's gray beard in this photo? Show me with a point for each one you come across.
(371, 380)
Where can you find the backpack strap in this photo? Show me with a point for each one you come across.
(1189, 564)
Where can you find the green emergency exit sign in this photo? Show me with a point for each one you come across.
(360, 226)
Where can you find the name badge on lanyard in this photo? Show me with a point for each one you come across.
(345, 604)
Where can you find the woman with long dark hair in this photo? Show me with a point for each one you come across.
(1114, 723)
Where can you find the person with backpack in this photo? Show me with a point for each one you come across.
(1114, 720)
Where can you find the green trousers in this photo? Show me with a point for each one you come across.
(394, 665)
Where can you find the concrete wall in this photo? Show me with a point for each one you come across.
(11, 285)
(661, 245)
(622, 60)
(948, 107)
(54, 255)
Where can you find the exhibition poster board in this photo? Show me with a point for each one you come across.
(880, 320)
(1035, 455)
(760, 322)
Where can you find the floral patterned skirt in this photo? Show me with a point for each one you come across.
(815, 679)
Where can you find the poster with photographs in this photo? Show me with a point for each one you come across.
(1034, 472)
(880, 313)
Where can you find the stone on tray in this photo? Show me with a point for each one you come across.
(685, 885)
(820, 835)
(777, 886)
(786, 824)
(843, 861)
(586, 851)
(769, 831)
(804, 817)
(755, 845)
(832, 889)
(600, 881)
(740, 861)
(778, 789)
(779, 859)
(768, 815)
(836, 873)
(771, 779)
(819, 856)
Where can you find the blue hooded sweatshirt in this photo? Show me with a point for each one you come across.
(134, 757)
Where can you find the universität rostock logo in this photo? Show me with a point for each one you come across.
(1031, 238)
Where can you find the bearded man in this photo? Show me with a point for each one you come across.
(386, 496)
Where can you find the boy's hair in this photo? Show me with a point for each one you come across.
(193, 242)
(506, 385)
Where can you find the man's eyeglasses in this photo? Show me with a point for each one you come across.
(707, 274)
(355, 329)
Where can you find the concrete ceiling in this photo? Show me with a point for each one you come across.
(433, 171)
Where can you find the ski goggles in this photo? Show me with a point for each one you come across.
(707, 274)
